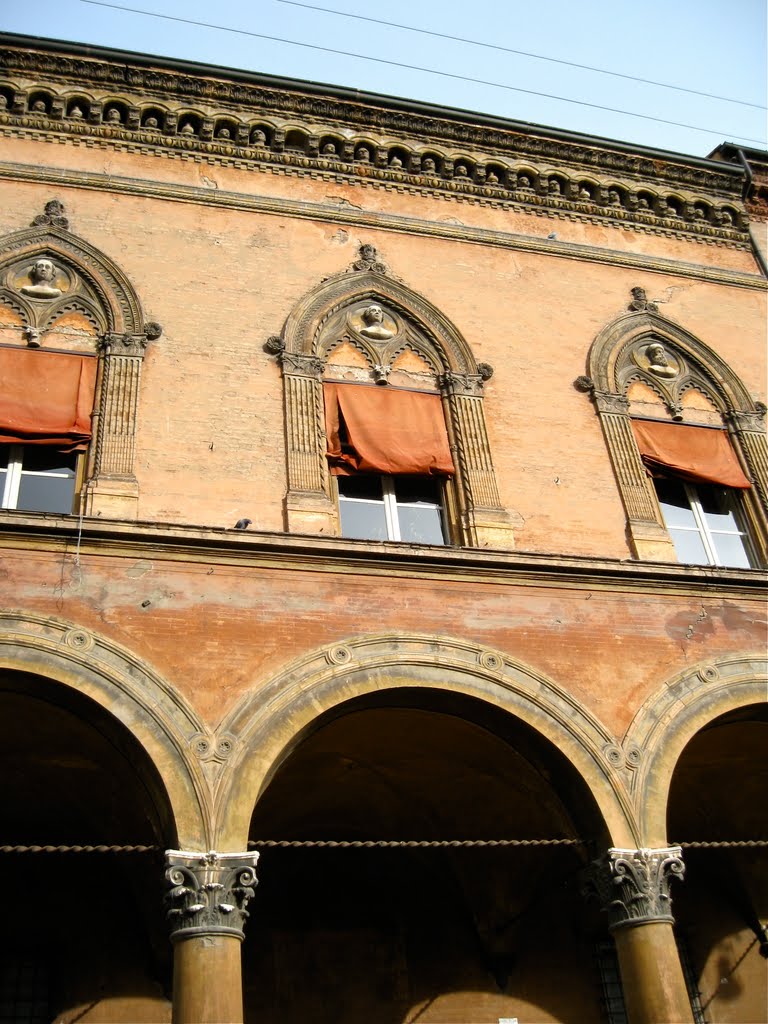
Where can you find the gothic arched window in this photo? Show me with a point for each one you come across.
(686, 440)
(72, 340)
(385, 429)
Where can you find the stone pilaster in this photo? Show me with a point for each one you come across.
(309, 508)
(647, 532)
(749, 430)
(112, 490)
(484, 522)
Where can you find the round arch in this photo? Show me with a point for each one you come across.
(678, 710)
(270, 723)
(167, 729)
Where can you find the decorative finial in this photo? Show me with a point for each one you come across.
(640, 303)
(369, 260)
(53, 216)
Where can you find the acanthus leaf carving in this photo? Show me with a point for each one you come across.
(302, 365)
(453, 383)
(633, 886)
(209, 892)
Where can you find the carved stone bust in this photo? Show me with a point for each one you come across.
(658, 361)
(43, 274)
(375, 328)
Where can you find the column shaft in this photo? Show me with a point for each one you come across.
(654, 987)
(207, 980)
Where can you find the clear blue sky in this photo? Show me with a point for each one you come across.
(713, 46)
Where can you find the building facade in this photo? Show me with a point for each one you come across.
(383, 528)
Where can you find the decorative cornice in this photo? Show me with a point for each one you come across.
(209, 892)
(253, 124)
(336, 214)
(633, 885)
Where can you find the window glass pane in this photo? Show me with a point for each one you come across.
(731, 550)
(717, 504)
(689, 547)
(360, 486)
(4, 452)
(46, 493)
(675, 506)
(420, 525)
(417, 489)
(363, 519)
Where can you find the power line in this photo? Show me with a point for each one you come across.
(415, 67)
(520, 53)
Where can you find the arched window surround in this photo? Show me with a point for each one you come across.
(615, 361)
(102, 293)
(310, 506)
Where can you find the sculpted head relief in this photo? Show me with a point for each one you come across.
(375, 328)
(658, 361)
(43, 274)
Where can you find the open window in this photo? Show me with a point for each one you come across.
(46, 401)
(68, 315)
(388, 451)
(699, 486)
(686, 439)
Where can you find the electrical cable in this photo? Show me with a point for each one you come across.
(520, 53)
(414, 67)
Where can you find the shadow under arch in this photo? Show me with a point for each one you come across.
(270, 723)
(157, 718)
(673, 715)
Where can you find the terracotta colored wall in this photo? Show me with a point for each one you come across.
(220, 281)
(242, 624)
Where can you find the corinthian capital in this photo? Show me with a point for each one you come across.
(301, 365)
(633, 885)
(208, 892)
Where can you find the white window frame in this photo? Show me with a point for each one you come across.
(391, 506)
(705, 532)
(14, 472)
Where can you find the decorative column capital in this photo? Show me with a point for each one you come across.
(633, 885)
(301, 365)
(468, 384)
(610, 403)
(133, 345)
(208, 892)
(748, 420)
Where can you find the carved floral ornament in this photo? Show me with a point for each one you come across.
(208, 893)
(287, 130)
(633, 886)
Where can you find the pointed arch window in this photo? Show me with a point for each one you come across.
(384, 416)
(686, 439)
(71, 348)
